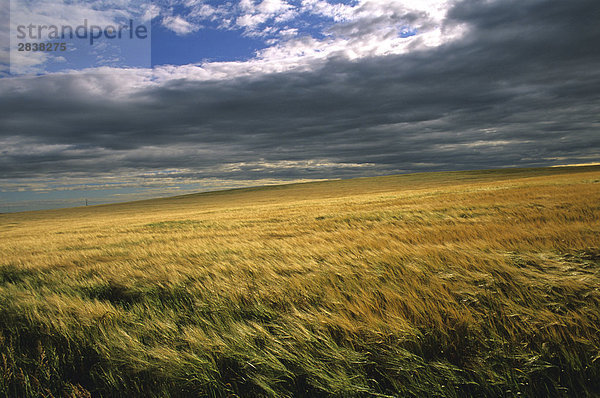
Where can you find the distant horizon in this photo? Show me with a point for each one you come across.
(176, 194)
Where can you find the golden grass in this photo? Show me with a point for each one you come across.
(478, 283)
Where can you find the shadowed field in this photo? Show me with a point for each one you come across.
(482, 283)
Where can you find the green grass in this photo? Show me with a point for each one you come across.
(480, 283)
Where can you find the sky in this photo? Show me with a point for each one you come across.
(244, 93)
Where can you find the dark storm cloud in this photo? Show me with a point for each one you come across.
(522, 88)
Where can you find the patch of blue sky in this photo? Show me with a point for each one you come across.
(81, 54)
(213, 43)
(205, 45)
(407, 31)
(24, 201)
(73, 196)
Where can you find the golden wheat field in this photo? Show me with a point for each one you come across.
(454, 284)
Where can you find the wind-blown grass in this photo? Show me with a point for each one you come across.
(453, 284)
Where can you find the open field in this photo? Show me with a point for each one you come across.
(483, 283)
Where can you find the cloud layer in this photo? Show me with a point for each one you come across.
(519, 86)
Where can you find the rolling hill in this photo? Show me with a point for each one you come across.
(472, 283)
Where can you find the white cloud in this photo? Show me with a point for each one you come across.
(287, 33)
(338, 12)
(251, 20)
(179, 25)
(150, 12)
(252, 15)
(205, 11)
(272, 7)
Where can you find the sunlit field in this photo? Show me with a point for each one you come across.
(483, 283)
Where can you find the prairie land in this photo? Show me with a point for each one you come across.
(453, 284)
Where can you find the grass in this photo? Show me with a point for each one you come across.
(483, 283)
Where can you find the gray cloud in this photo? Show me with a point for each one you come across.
(522, 88)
